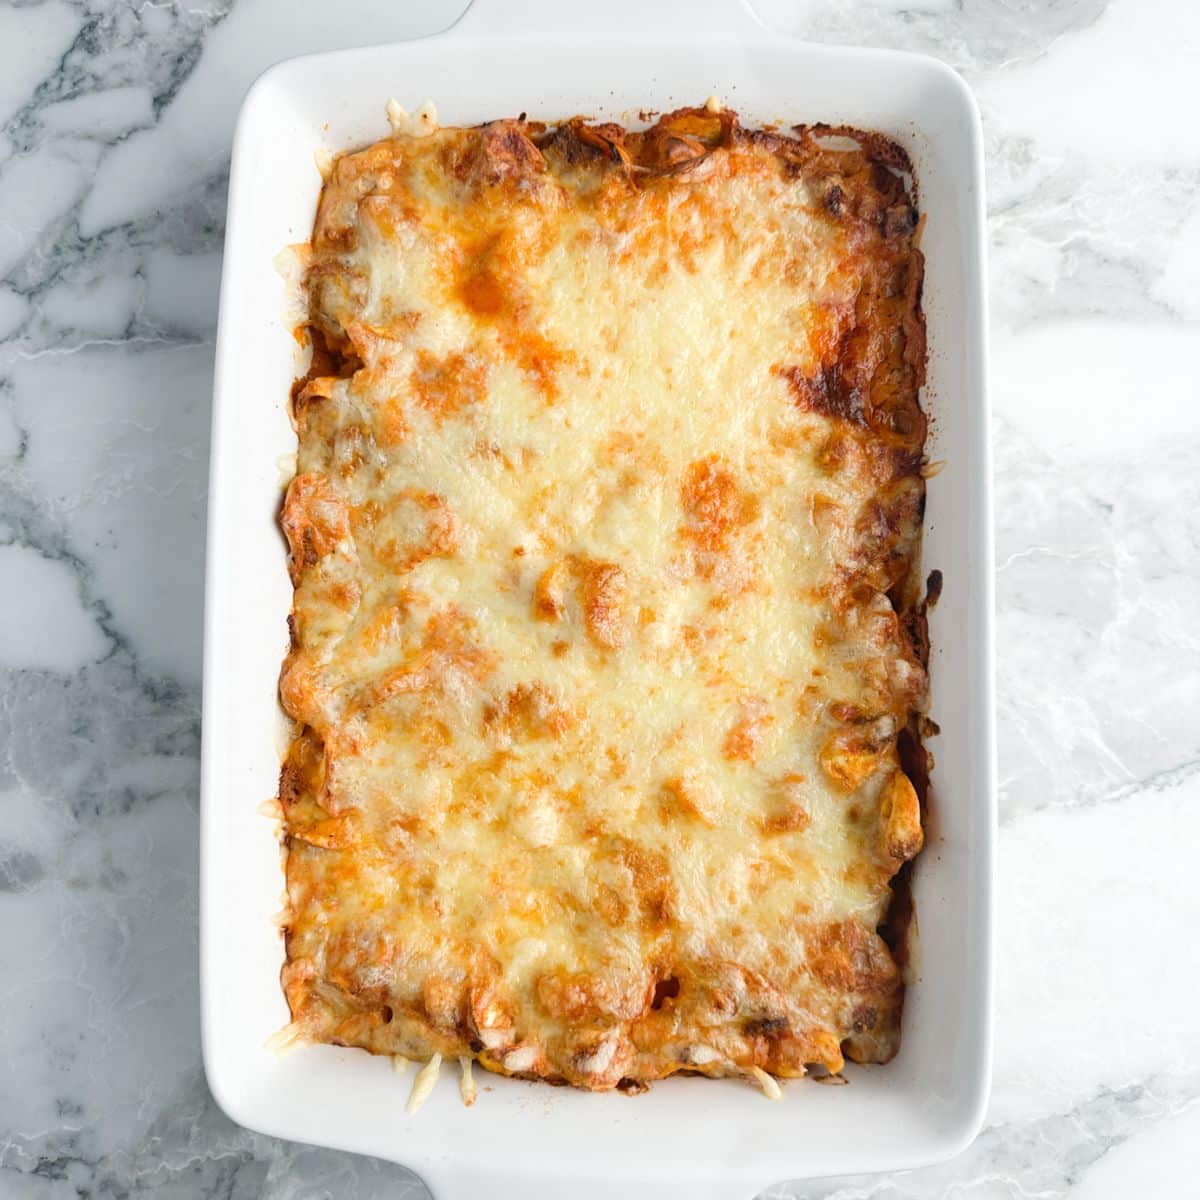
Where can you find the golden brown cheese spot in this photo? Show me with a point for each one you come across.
(386, 626)
(302, 692)
(840, 451)
(900, 818)
(610, 904)
(447, 648)
(430, 731)
(332, 833)
(691, 794)
(358, 963)
(849, 758)
(603, 596)
(445, 385)
(650, 875)
(303, 770)
(528, 711)
(580, 998)
(297, 977)
(787, 807)
(718, 509)
(601, 591)
(344, 594)
(848, 713)
(600, 1059)
(851, 959)
(713, 503)
(443, 1000)
(315, 520)
(550, 592)
(827, 323)
(792, 818)
(745, 737)
(418, 526)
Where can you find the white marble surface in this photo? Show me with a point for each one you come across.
(117, 119)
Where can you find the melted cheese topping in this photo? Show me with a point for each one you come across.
(605, 629)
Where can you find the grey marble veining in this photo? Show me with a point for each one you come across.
(115, 126)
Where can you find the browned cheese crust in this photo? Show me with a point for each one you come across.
(607, 653)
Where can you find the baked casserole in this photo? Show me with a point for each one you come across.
(607, 657)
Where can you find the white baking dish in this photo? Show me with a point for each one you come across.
(687, 1136)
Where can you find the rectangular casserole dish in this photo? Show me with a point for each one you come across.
(687, 1137)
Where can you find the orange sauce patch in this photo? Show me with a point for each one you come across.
(746, 736)
(445, 385)
(715, 504)
(603, 593)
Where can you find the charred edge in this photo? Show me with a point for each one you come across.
(767, 1027)
(899, 916)
(665, 989)
(291, 786)
(864, 1018)
(898, 220)
(876, 147)
(826, 394)
(916, 617)
(914, 762)
(933, 589)
(675, 144)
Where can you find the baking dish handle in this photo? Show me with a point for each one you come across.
(631, 17)
(448, 1182)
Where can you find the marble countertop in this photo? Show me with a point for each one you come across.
(117, 120)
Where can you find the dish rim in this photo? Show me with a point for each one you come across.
(243, 1108)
